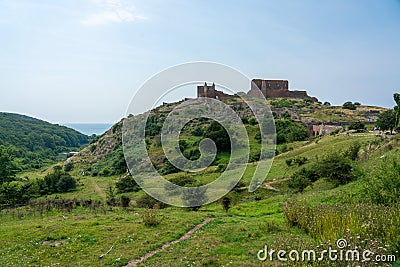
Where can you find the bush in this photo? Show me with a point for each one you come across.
(252, 121)
(194, 197)
(68, 167)
(300, 160)
(125, 201)
(352, 152)
(146, 201)
(198, 131)
(65, 183)
(289, 131)
(149, 217)
(169, 168)
(335, 132)
(349, 105)
(226, 202)
(356, 125)
(127, 184)
(335, 168)
(56, 182)
(110, 196)
(219, 135)
(303, 178)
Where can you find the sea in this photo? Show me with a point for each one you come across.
(90, 128)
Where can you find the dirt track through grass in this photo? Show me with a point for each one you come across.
(166, 245)
(97, 189)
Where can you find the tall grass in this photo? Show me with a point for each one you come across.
(334, 221)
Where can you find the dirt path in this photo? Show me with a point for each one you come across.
(166, 245)
(271, 187)
(97, 189)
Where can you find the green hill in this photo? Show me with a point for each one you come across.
(33, 142)
(320, 189)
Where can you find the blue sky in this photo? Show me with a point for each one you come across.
(82, 60)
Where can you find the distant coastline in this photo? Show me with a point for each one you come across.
(89, 128)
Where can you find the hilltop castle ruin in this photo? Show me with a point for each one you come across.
(210, 92)
(277, 88)
(269, 88)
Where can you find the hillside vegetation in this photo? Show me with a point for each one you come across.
(34, 143)
(319, 189)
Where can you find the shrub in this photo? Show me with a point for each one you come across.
(226, 202)
(239, 186)
(352, 152)
(68, 167)
(349, 105)
(289, 162)
(258, 136)
(335, 168)
(192, 153)
(335, 132)
(149, 217)
(56, 182)
(110, 196)
(124, 201)
(219, 135)
(198, 131)
(286, 115)
(169, 168)
(303, 178)
(127, 184)
(146, 201)
(290, 131)
(300, 160)
(356, 125)
(105, 171)
(194, 197)
(252, 121)
(65, 183)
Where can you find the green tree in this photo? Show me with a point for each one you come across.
(303, 178)
(353, 150)
(356, 125)
(335, 168)
(57, 181)
(65, 183)
(219, 135)
(110, 195)
(349, 105)
(194, 197)
(387, 120)
(226, 203)
(7, 166)
(127, 184)
(289, 131)
(396, 97)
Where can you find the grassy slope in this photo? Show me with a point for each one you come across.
(233, 238)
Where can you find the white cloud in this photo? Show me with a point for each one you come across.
(112, 11)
